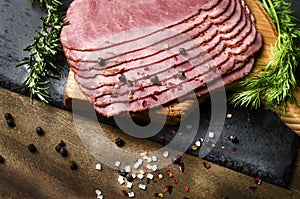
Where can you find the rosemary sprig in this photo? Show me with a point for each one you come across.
(45, 46)
(275, 84)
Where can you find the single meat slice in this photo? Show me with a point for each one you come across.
(182, 31)
(113, 17)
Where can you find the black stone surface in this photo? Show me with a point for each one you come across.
(266, 148)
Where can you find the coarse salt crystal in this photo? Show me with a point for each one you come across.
(154, 158)
(149, 166)
(121, 180)
(140, 176)
(145, 157)
(149, 159)
(127, 169)
(98, 192)
(166, 154)
(129, 185)
(188, 126)
(136, 165)
(150, 176)
(100, 197)
(154, 167)
(198, 143)
(118, 163)
(98, 167)
(142, 186)
(140, 161)
(131, 194)
(133, 176)
(211, 135)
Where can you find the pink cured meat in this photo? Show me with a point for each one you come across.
(223, 44)
(202, 21)
(115, 16)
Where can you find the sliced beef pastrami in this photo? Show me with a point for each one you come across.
(234, 27)
(168, 91)
(169, 66)
(113, 17)
(180, 32)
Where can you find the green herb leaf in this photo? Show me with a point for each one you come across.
(43, 49)
(274, 86)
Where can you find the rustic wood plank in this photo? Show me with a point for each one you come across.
(46, 174)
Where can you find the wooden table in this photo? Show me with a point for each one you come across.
(46, 174)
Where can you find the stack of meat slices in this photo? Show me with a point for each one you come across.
(133, 55)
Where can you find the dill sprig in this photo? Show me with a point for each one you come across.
(45, 47)
(274, 85)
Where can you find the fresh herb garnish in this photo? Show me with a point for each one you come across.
(275, 84)
(45, 47)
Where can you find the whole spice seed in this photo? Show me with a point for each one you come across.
(122, 173)
(176, 159)
(257, 181)
(129, 177)
(186, 188)
(39, 131)
(63, 152)
(8, 116)
(1, 159)
(10, 123)
(169, 173)
(160, 195)
(233, 139)
(122, 78)
(62, 143)
(73, 165)
(101, 62)
(160, 176)
(233, 149)
(181, 75)
(119, 142)
(175, 180)
(168, 189)
(125, 193)
(32, 148)
(181, 167)
(154, 79)
(182, 51)
(194, 147)
(57, 148)
(206, 165)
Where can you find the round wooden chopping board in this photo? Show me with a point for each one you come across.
(175, 111)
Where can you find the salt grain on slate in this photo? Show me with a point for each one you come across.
(166, 154)
(98, 192)
(154, 167)
(154, 158)
(118, 163)
(140, 176)
(121, 180)
(211, 134)
(198, 143)
(127, 169)
(150, 176)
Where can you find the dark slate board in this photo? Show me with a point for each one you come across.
(266, 148)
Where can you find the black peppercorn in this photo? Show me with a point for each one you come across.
(129, 177)
(182, 51)
(1, 159)
(154, 79)
(57, 148)
(181, 75)
(63, 152)
(119, 142)
(32, 148)
(39, 131)
(233, 139)
(8, 116)
(122, 172)
(101, 62)
(176, 159)
(62, 144)
(10, 123)
(73, 165)
(122, 78)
